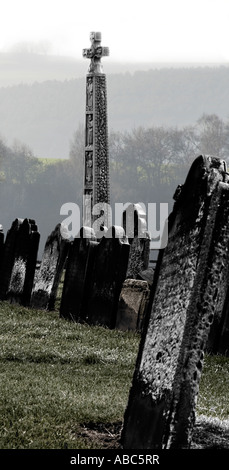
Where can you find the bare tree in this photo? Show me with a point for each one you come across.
(212, 135)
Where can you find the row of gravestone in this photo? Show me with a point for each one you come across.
(95, 272)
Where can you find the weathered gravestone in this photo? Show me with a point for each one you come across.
(50, 271)
(135, 227)
(78, 268)
(132, 306)
(107, 274)
(190, 287)
(19, 261)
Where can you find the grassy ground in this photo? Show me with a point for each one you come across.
(57, 378)
(66, 385)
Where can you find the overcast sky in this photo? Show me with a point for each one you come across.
(134, 30)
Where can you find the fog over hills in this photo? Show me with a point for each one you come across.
(42, 97)
(29, 67)
(42, 103)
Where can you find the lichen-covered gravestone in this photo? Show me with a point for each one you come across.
(50, 271)
(20, 257)
(190, 287)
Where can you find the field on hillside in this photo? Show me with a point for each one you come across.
(66, 385)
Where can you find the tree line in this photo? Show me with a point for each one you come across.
(146, 165)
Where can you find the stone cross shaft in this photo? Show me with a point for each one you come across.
(96, 160)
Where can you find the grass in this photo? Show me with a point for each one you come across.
(213, 400)
(61, 381)
(58, 377)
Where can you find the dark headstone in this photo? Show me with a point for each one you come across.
(50, 271)
(19, 264)
(135, 227)
(189, 288)
(75, 288)
(107, 274)
(8, 257)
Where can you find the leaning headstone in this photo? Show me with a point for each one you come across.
(75, 288)
(50, 271)
(24, 256)
(135, 227)
(190, 287)
(108, 272)
(133, 303)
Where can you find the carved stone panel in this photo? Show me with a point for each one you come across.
(89, 130)
(101, 142)
(89, 169)
(89, 94)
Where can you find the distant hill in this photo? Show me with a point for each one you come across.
(27, 68)
(44, 112)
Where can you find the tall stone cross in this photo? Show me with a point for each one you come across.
(96, 162)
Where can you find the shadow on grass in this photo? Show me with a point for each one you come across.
(209, 433)
(45, 358)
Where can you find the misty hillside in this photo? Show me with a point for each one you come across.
(45, 114)
(28, 67)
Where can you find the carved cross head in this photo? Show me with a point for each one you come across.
(95, 53)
